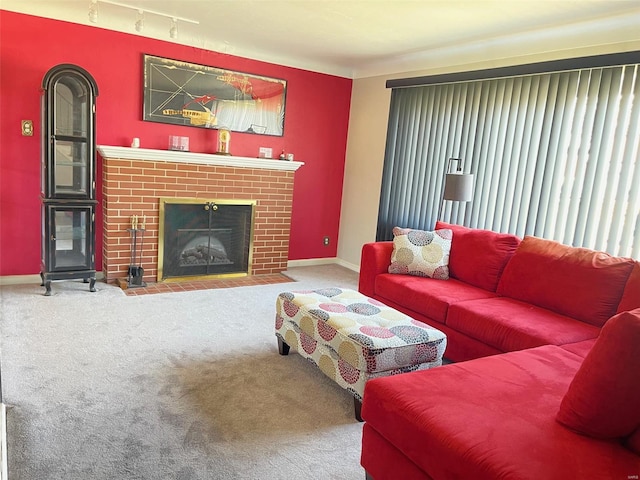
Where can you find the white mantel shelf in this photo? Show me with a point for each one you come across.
(127, 153)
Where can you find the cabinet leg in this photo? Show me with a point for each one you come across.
(47, 285)
(41, 279)
(92, 284)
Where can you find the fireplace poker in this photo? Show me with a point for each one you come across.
(143, 228)
(132, 259)
(140, 269)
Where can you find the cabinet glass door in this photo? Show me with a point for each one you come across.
(71, 137)
(70, 232)
(70, 168)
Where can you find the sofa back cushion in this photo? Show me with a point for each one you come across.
(478, 257)
(576, 282)
(603, 397)
(631, 296)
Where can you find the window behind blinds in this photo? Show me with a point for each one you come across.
(554, 155)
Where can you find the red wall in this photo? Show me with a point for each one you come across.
(316, 121)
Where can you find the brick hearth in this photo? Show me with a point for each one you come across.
(135, 179)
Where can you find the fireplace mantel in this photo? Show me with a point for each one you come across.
(127, 153)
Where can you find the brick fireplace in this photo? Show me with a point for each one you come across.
(135, 179)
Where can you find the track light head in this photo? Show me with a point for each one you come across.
(93, 11)
(173, 31)
(140, 21)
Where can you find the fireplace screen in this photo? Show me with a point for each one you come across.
(199, 238)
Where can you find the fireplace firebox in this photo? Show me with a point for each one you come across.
(204, 238)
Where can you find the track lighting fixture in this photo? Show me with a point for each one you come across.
(93, 11)
(173, 31)
(140, 19)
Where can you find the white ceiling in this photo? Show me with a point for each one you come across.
(360, 38)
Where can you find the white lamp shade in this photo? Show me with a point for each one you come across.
(458, 187)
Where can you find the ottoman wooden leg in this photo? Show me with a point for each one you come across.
(357, 408)
(283, 348)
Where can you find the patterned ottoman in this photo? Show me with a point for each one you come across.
(353, 338)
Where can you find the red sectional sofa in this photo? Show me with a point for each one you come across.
(545, 383)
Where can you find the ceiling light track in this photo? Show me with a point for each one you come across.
(139, 24)
(146, 10)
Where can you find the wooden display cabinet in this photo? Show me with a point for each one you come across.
(68, 176)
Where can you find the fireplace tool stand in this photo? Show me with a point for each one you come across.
(135, 270)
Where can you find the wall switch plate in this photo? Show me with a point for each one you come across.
(27, 128)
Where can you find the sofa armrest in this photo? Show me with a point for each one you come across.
(375, 259)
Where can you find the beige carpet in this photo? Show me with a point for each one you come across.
(184, 386)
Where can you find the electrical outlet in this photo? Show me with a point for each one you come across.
(27, 128)
(325, 241)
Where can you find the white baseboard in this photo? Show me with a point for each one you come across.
(350, 266)
(4, 475)
(310, 262)
(322, 261)
(31, 279)
(20, 279)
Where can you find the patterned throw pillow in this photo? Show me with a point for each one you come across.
(420, 253)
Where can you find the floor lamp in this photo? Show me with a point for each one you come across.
(458, 186)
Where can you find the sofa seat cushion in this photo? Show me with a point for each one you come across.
(492, 417)
(577, 282)
(478, 257)
(580, 348)
(428, 296)
(508, 324)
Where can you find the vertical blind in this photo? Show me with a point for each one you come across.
(555, 155)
